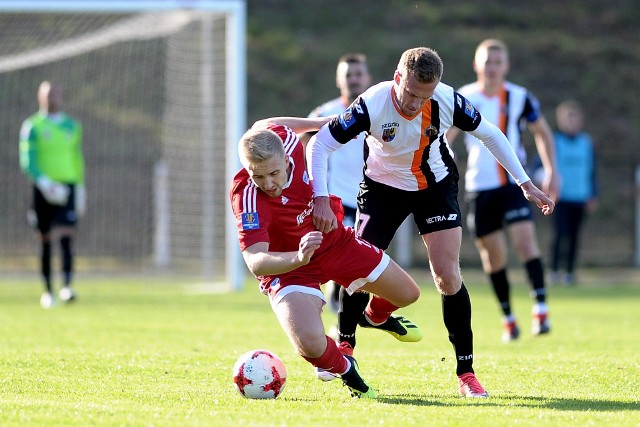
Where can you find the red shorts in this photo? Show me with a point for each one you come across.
(342, 257)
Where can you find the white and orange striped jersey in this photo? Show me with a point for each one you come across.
(407, 153)
(510, 110)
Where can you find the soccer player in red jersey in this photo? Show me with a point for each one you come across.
(272, 200)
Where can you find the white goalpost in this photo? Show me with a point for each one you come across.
(160, 89)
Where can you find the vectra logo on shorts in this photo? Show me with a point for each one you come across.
(522, 212)
(440, 218)
(389, 131)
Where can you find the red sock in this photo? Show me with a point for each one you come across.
(379, 310)
(331, 360)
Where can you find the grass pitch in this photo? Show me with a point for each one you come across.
(160, 353)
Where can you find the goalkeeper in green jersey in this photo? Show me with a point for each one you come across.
(51, 157)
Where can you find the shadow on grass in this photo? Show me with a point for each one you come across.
(521, 401)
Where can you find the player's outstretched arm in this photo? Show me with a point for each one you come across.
(299, 125)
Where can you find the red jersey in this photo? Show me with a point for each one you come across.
(282, 221)
(255, 211)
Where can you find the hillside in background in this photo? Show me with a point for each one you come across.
(588, 50)
(125, 95)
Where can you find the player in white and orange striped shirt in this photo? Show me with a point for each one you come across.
(495, 203)
(409, 169)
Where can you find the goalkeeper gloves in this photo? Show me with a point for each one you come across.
(54, 192)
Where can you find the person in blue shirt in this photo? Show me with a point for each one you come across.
(576, 160)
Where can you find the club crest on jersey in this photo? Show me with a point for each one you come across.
(431, 131)
(389, 131)
(346, 119)
(250, 221)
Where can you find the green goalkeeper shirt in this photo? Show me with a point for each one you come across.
(51, 145)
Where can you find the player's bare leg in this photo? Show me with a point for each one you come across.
(299, 316)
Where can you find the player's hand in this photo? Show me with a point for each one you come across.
(537, 196)
(308, 245)
(54, 193)
(323, 217)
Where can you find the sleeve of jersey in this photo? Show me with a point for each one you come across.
(531, 110)
(468, 119)
(252, 222)
(28, 153)
(495, 141)
(330, 137)
(465, 115)
(286, 134)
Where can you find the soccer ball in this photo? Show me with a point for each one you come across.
(259, 374)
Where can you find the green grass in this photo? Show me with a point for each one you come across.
(133, 353)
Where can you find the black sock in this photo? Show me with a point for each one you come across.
(67, 259)
(501, 288)
(45, 265)
(456, 312)
(349, 314)
(535, 272)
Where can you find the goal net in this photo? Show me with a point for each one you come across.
(159, 89)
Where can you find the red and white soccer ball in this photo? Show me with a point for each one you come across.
(259, 374)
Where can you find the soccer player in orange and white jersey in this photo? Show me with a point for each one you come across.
(410, 170)
(494, 200)
(272, 200)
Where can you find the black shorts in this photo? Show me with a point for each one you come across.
(382, 209)
(490, 210)
(48, 215)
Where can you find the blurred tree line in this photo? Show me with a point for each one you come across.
(588, 50)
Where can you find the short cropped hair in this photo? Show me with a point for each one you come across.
(353, 58)
(257, 145)
(423, 63)
(492, 44)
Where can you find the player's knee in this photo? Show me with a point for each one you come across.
(406, 291)
(412, 295)
(447, 283)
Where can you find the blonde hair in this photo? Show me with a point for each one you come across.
(257, 145)
(423, 63)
